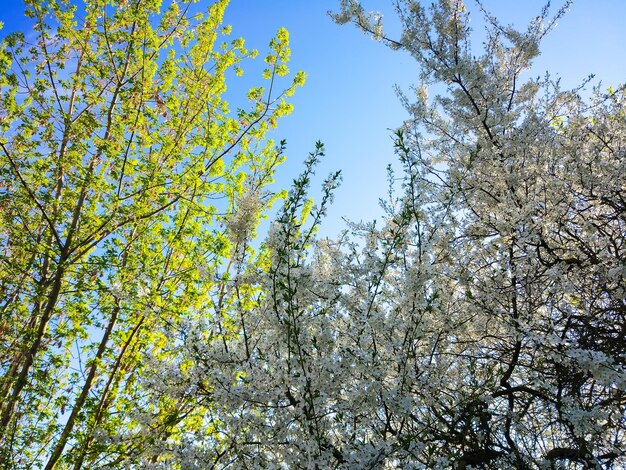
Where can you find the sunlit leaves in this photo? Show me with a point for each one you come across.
(125, 163)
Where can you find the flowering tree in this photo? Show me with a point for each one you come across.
(482, 326)
(121, 167)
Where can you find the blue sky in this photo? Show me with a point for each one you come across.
(349, 102)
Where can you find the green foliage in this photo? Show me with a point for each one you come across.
(122, 175)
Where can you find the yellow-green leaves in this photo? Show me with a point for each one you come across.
(279, 56)
(131, 191)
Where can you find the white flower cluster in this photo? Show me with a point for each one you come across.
(481, 327)
(241, 222)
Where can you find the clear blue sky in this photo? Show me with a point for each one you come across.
(349, 102)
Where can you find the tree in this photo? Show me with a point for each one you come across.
(482, 326)
(129, 191)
